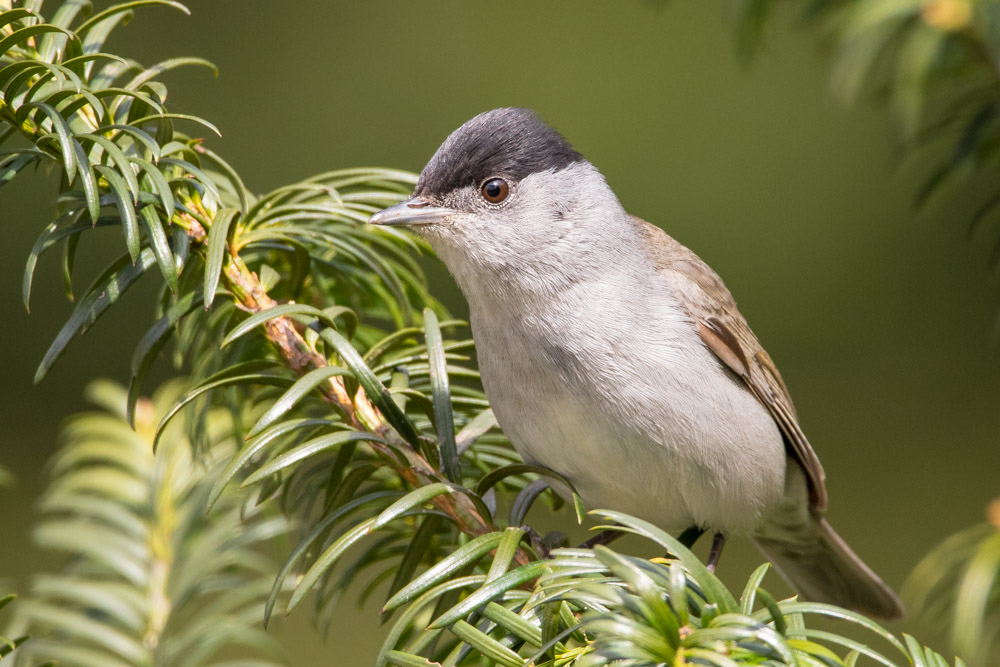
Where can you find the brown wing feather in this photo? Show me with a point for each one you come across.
(726, 333)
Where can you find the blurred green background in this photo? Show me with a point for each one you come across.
(879, 319)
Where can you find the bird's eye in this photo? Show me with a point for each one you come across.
(495, 190)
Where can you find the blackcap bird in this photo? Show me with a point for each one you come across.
(612, 354)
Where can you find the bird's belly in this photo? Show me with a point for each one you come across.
(677, 444)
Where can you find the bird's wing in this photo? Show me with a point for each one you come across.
(726, 333)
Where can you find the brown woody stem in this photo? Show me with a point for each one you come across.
(360, 413)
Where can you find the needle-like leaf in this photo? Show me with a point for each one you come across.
(302, 387)
(490, 591)
(218, 238)
(62, 130)
(456, 562)
(160, 244)
(443, 418)
(123, 200)
(323, 443)
(22, 34)
(375, 390)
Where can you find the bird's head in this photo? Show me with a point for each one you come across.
(506, 192)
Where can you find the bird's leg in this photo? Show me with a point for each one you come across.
(690, 536)
(718, 541)
(604, 537)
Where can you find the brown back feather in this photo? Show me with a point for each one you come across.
(726, 333)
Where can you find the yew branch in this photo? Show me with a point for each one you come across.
(359, 411)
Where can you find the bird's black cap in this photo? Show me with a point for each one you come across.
(507, 142)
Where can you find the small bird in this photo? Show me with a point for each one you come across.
(613, 355)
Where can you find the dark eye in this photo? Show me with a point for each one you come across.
(495, 190)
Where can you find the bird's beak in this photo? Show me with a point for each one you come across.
(413, 211)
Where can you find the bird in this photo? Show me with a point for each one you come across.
(613, 355)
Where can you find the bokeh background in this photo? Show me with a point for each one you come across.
(879, 318)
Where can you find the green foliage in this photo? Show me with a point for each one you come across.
(100, 122)
(596, 607)
(150, 578)
(8, 645)
(956, 587)
(934, 63)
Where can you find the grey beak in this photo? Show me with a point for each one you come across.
(413, 211)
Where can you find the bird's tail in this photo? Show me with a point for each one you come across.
(818, 564)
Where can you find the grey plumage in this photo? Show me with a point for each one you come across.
(612, 354)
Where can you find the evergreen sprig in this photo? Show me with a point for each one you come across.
(7, 644)
(935, 64)
(150, 578)
(956, 587)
